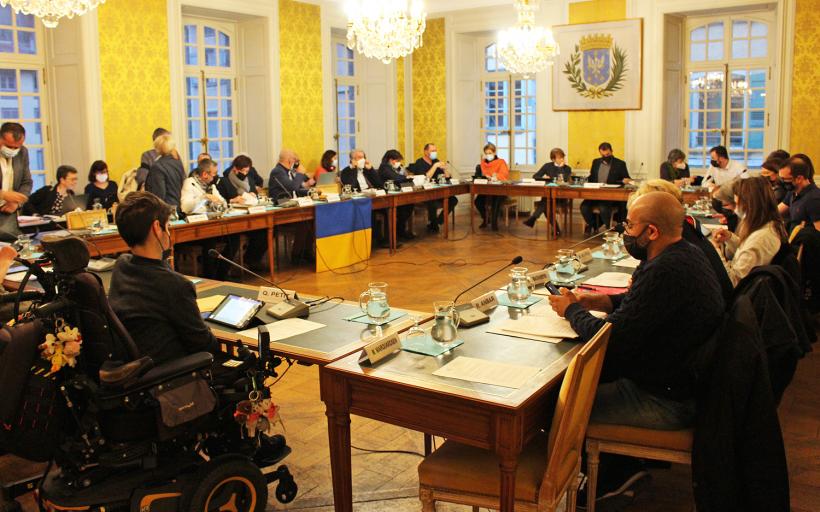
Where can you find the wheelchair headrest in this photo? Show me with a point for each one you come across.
(69, 254)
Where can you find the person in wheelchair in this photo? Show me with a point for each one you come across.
(155, 304)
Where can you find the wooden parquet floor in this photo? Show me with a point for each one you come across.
(431, 268)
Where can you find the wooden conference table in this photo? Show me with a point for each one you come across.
(403, 391)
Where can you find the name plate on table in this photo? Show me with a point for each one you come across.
(428, 186)
(480, 181)
(539, 277)
(381, 348)
(407, 189)
(304, 201)
(593, 185)
(485, 302)
(454, 181)
(201, 217)
(256, 209)
(333, 198)
(273, 295)
(584, 256)
(381, 192)
(527, 180)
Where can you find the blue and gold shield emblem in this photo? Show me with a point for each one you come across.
(597, 68)
(596, 64)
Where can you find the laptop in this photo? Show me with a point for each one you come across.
(326, 178)
(74, 201)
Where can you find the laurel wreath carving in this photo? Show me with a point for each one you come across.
(572, 68)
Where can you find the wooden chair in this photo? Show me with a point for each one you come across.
(549, 465)
(510, 203)
(667, 445)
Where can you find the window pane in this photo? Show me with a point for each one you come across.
(736, 141)
(696, 120)
(210, 87)
(227, 128)
(26, 43)
(213, 129)
(340, 50)
(759, 29)
(34, 133)
(213, 149)
(713, 139)
(698, 52)
(350, 69)
(756, 119)
(6, 41)
(190, 34)
(715, 51)
(736, 120)
(740, 49)
(754, 159)
(31, 107)
(758, 78)
(28, 81)
(193, 151)
(193, 129)
(25, 20)
(212, 110)
(740, 29)
(716, 31)
(210, 36)
(38, 180)
(759, 47)
(695, 100)
(225, 88)
(227, 149)
(5, 16)
(755, 140)
(9, 108)
(699, 34)
(738, 100)
(714, 120)
(225, 58)
(193, 108)
(714, 100)
(191, 56)
(36, 159)
(192, 86)
(227, 108)
(224, 39)
(758, 99)
(8, 80)
(210, 56)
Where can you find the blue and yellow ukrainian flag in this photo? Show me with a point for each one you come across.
(343, 233)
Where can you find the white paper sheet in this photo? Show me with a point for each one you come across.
(713, 227)
(629, 262)
(487, 372)
(610, 279)
(548, 325)
(284, 329)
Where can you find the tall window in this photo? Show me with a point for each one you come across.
(347, 93)
(508, 117)
(22, 85)
(728, 70)
(210, 91)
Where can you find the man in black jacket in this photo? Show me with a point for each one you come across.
(360, 174)
(288, 178)
(157, 305)
(609, 170)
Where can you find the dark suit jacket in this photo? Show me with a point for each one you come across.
(348, 177)
(226, 188)
(387, 173)
(22, 172)
(42, 200)
(280, 184)
(165, 180)
(617, 171)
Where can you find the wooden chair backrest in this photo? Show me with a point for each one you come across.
(569, 423)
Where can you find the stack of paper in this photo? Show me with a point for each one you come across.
(629, 262)
(284, 329)
(610, 280)
(488, 372)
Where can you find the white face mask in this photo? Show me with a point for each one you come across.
(102, 178)
(489, 157)
(360, 163)
(681, 165)
(8, 152)
(433, 155)
(396, 165)
(333, 163)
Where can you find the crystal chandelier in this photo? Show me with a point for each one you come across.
(50, 11)
(526, 49)
(385, 29)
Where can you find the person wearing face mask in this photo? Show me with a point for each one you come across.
(360, 174)
(759, 235)
(430, 166)
(491, 167)
(721, 169)
(236, 180)
(610, 170)
(100, 188)
(551, 171)
(58, 199)
(770, 170)
(155, 304)
(802, 201)
(288, 178)
(672, 308)
(675, 169)
(328, 163)
(15, 177)
(391, 170)
(198, 193)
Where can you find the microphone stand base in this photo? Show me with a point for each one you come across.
(289, 309)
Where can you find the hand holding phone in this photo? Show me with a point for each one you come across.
(552, 288)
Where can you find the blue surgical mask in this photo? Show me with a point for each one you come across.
(433, 155)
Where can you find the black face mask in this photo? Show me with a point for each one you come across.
(634, 248)
(242, 176)
(714, 163)
(607, 159)
(166, 253)
(295, 166)
(788, 185)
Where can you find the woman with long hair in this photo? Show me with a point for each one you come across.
(760, 232)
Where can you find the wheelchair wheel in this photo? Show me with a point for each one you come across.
(229, 483)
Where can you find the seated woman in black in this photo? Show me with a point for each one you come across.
(391, 170)
(100, 190)
(675, 169)
(556, 170)
(58, 199)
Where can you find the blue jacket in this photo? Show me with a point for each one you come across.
(280, 184)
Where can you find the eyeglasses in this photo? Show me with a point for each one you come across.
(631, 225)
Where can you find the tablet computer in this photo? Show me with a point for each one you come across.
(235, 311)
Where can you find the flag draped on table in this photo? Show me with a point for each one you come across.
(343, 234)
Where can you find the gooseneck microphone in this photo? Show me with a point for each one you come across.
(289, 308)
(515, 261)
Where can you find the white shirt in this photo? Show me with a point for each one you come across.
(361, 179)
(720, 176)
(758, 249)
(193, 198)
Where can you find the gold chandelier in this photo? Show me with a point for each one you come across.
(525, 48)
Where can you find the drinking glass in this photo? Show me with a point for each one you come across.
(390, 185)
(565, 266)
(373, 301)
(445, 326)
(560, 179)
(347, 190)
(442, 179)
(612, 246)
(521, 285)
(23, 245)
(416, 330)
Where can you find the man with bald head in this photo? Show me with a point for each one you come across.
(288, 178)
(672, 307)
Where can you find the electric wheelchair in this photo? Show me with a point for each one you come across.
(119, 433)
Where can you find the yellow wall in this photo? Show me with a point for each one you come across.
(806, 76)
(400, 109)
(135, 75)
(588, 129)
(429, 92)
(300, 79)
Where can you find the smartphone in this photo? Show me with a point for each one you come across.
(552, 288)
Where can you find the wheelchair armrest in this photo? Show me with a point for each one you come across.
(124, 375)
(175, 368)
